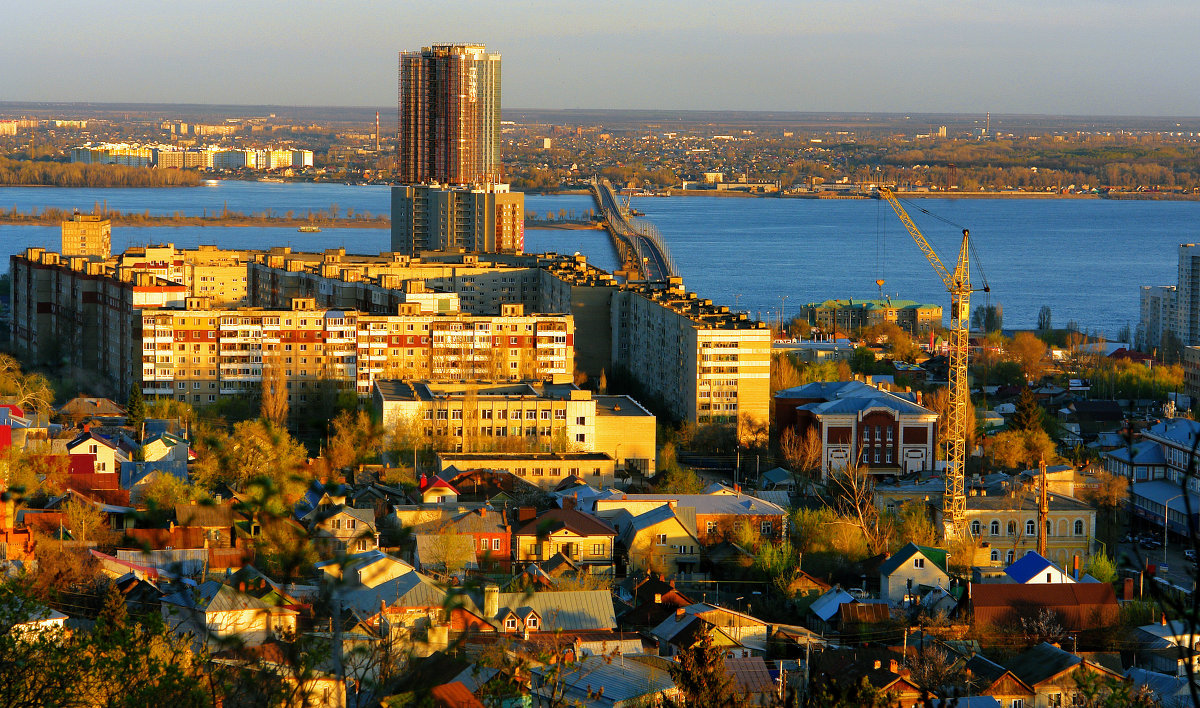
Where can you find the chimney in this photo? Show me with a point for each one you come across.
(483, 512)
(491, 600)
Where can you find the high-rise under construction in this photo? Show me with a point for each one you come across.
(449, 115)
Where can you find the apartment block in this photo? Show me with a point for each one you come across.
(701, 362)
(449, 114)
(207, 271)
(437, 316)
(480, 218)
(87, 235)
(199, 353)
(1170, 315)
(849, 315)
(107, 318)
(1158, 316)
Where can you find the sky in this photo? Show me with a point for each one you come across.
(1051, 57)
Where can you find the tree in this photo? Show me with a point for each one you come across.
(1043, 321)
(32, 392)
(1022, 449)
(802, 451)
(702, 679)
(677, 480)
(987, 318)
(852, 496)
(1030, 352)
(274, 408)
(1028, 414)
(254, 450)
(165, 491)
(862, 361)
(135, 407)
(783, 372)
(935, 671)
(83, 520)
(354, 438)
(1102, 568)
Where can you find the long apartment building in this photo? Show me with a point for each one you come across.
(698, 360)
(130, 327)
(703, 363)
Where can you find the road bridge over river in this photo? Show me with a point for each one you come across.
(639, 246)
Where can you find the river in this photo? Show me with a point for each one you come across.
(1083, 258)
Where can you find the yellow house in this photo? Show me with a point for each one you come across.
(583, 538)
(662, 541)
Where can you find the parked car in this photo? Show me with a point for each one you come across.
(1190, 554)
(857, 593)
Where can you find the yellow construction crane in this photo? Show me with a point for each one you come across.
(958, 284)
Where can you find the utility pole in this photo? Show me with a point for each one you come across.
(1043, 510)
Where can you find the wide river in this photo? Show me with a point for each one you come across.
(1083, 258)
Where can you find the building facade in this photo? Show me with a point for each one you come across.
(859, 424)
(850, 315)
(449, 115)
(480, 218)
(87, 235)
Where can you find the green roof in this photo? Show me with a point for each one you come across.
(937, 556)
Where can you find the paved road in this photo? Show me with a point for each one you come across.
(1180, 571)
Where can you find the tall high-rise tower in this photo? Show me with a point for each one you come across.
(449, 115)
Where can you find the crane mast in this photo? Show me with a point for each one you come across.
(958, 284)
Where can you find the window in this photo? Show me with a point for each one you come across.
(1030, 527)
(712, 527)
(510, 623)
(597, 549)
(995, 556)
(1012, 528)
(976, 528)
(918, 562)
(1079, 527)
(1017, 703)
(532, 622)
(581, 420)
(483, 544)
(995, 528)
(580, 437)
(1010, 556)
(495, 544)
(660, 539)
(766, 528)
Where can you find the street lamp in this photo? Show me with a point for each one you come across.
(1166, 509)
(782, 303)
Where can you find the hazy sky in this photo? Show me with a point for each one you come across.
(1135, 57)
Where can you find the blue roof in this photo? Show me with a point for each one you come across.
(1028, 567)
(1145, 452)
(1170, 493)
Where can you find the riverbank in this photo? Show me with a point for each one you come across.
(54, 217)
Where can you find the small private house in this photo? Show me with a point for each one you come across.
(1051, 672)
(1032, 569)
(902, 575)
(437, 491)
(214, 611)
(583, 538)
(661, 541)
(344, 528)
